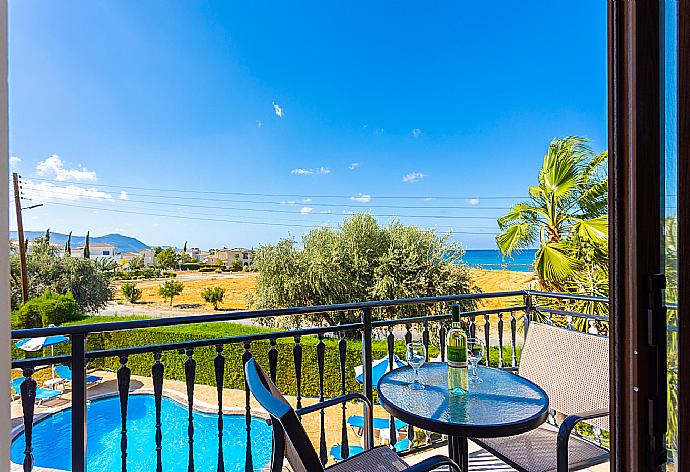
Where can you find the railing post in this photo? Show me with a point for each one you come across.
(529, 309)
(367, 384)
(79, 402)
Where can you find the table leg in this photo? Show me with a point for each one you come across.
(458, 451)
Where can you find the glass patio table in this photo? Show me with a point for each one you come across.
(504, 404)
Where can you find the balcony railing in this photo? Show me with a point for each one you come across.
(511, 323)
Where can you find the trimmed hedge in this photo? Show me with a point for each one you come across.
(233, 378)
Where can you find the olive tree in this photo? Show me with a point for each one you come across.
(170, 289)
(86, 279)
(359, 261)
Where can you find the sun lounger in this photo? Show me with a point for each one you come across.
(66, 373)
(336, 452)
(42, 394)
(379, 423)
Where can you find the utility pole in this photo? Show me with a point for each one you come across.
(20, 237)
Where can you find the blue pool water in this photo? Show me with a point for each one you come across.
(52, 438)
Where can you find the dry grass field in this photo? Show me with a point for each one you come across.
(501, 281)
(236, 288)
(239, 284)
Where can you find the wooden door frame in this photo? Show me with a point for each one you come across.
(635, 166)
(684, 231)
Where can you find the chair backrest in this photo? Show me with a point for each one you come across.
(64, 371)
(16, 384)
(571, 366)
(290, 440)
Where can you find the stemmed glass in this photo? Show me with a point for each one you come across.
(415, 355)
(475, 352)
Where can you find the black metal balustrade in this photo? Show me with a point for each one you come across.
(367, 327)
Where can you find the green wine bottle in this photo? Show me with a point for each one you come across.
(456, 353)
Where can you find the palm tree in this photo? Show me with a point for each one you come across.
(566, 215)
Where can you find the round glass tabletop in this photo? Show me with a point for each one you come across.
(504, 404)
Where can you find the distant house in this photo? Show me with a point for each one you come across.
(194, 254)
(149, 256)
(96, 251)
(126, 257)
(226, 256)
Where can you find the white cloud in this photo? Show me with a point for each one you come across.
(361, 198)
(54, 167)
(325, 212)
(472, 201)
(306, 210)
(155, 225)
(278, 110)
(428, 199)
(47, 191)
(316, 171)
(416, 132)
(413, 177)
(306, 200)
(354, 165)
(259, 123)
(124, 195)
(14, 161)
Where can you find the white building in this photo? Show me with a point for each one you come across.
(149, 256)
(97, 250)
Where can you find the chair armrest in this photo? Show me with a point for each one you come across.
(566, 429)
(434, 462)
(335, 401)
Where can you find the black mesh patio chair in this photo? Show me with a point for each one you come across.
(573, 368)
(290, 440)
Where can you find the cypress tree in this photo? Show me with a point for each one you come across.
(47, 236)
(87, 253)
(68, 245)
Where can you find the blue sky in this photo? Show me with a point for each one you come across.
(326, 101)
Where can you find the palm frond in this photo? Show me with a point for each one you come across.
(594, 231)
(553, 263)
(519, 213)
(594, 198)
(515, 237)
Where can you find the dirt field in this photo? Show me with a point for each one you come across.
(237, 285)
(501, 281)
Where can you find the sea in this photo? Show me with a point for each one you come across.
(493, 259)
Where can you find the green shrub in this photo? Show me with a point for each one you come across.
(170, 289)
(191, 266)
(245, 269)
(207, 269)
(47, 309)
(236, 265)
(131, 292)
(213, 295)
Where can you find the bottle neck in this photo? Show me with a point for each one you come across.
(457, 324)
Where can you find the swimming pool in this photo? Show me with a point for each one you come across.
(52, 438)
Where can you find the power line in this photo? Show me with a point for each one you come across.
(199, 218)
(286, 195)
(353, 199)
(270, 210)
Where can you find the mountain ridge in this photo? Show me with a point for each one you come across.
(121, 242)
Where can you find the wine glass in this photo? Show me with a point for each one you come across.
(415, 355)
(475, 352)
